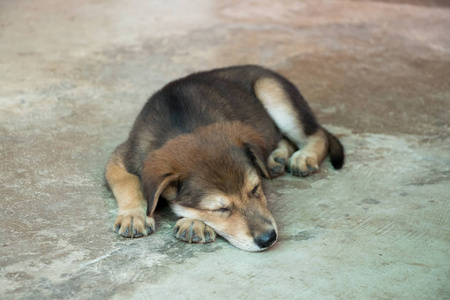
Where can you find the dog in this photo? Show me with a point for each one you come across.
(204, 142)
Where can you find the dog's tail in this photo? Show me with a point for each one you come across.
(335, 150)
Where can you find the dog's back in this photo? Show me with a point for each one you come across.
(205, 98)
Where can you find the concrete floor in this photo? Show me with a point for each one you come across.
(73, 76)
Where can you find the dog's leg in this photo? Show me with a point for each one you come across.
(306, 160)
(279, 158)
(126, 187)
(292, 116)
(194, 231)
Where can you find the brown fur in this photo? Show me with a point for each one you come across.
(132, 204)
(204, 142)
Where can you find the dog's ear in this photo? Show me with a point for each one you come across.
(253, 144)
(257, 159)
(154, 187)
(157, 175)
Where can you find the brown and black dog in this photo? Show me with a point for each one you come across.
(203, 142)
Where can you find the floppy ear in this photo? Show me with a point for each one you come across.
(154, 187)
(157, 175)
(253, 144)
(257, 159)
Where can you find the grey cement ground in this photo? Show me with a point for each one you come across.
(74, 74)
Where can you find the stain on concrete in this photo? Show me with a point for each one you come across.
(18, 276)
(370, 201)
(300, 236)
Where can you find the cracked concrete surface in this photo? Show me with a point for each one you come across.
(73, 76)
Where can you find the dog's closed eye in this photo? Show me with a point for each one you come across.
(222, 210)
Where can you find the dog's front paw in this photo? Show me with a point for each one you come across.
(133, 223)
(303, 164)
(194, 231)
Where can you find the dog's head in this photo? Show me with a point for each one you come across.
(214, 175)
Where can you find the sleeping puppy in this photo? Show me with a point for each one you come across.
(203, 143)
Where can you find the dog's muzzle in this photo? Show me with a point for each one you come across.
(266, 239)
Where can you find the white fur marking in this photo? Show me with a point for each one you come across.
(183, 211)
(276, 103)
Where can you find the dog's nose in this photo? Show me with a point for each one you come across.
(266, 239)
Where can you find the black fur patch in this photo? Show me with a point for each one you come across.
(204, 98)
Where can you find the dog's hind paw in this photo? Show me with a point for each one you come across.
(133, 223)
(279, 157)
(276, 164)
(194, 231)
(303, 164)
